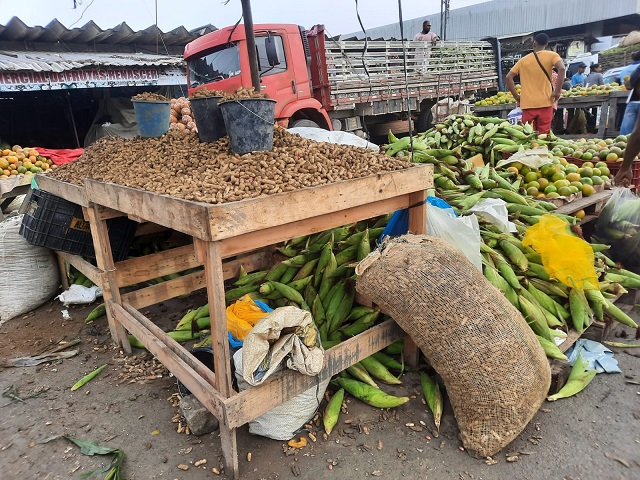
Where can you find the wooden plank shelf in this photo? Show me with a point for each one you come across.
(594, 201)
(225, 237)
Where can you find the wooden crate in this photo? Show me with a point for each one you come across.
(238, 231)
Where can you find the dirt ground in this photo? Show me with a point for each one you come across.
(594, 435)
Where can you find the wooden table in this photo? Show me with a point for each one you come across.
(238, 232)
(607, 103)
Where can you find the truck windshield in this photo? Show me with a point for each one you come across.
(218, 64)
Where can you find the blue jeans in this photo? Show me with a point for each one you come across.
(629, 119)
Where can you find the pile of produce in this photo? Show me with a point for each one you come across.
(17, 160)
(513, 268)
(204, 92)
(607, 150)
(592, 90)
(181, 117)
(499, 98)
(242, 92)
(178, 164)
(150, 97)
(560, 178)
(502, 98)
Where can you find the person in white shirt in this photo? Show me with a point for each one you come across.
(426, 35)
(422, 53)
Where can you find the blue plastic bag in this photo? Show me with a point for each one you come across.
(399, 222)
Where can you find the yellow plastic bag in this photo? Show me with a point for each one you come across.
(565, 257)
(242, 316)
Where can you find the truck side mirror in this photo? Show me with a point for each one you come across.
(272, 52)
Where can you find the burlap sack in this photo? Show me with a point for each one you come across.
(493, 367)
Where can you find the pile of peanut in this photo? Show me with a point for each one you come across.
(150, 97)
(242, 92)
(177, 164)
(206, 93)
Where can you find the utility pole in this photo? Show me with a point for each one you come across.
(251, 44)
(444, 18)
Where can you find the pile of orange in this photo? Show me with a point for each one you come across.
(17, 160)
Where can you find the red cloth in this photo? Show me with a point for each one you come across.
(539, 117)
(60, 156)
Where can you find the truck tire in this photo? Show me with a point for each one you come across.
(425, 121)
(303, 122)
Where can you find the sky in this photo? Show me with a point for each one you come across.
(338, 16)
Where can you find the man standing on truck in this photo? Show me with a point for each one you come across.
(538, 93)
(426, 35)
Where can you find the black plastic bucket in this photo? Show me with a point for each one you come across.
(208, 117)
(249, 122)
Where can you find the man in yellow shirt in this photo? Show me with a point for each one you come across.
(538, 94)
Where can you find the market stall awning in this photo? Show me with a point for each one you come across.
(29, 71)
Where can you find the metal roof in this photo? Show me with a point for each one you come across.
(503, 17)
(62, 61)
(17, 31)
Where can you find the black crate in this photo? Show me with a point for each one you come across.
(55, 223)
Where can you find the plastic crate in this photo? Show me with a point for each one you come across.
(614, 167)
(55, 223)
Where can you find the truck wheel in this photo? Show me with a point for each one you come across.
(303, 122)
(425, 121)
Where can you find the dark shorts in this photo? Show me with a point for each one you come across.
(539, 117)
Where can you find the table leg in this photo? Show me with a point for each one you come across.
(104, 259)
(230, 451)
(209, 254)
(63, 272)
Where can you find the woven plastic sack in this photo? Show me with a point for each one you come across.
(24, 268)
(494, 369)
(242, 316)
(565, 257)
(284, 421)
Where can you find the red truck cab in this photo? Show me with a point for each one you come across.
(220, 61)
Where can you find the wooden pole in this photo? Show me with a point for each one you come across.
(251, 44)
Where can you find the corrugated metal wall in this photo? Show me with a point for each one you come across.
(504, 17)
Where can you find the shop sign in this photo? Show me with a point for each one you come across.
(25, 81)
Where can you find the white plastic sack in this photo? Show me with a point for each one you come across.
(266, 346)
(28, 274)
(283, 421)
(341, 138)
(534, 158)
(495, 211)
(80, 295)
(462, 233)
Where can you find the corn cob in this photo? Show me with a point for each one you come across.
(344, 307)
(580, 311)
(578, 379)
(327, 282)
(332, 411)
(515, 256)
(276, 272)
(364, 248)
(308, 269)
(251, 278)
(358, 372)
(388, 361)
(96, 313)
(535, 318)
(433, 396)
(379, 371)
(370, 395)
(550, 348)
